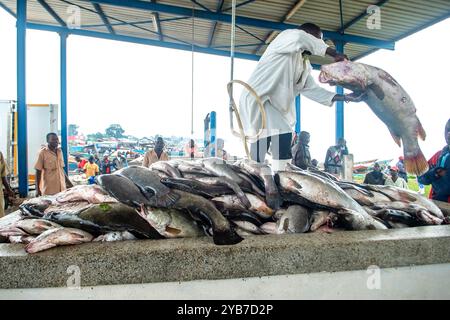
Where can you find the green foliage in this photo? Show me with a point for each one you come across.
(114, 131)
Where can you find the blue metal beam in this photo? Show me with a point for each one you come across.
(157, 43)
(103, 17)
(201, 5)
(361, 16)
(63, 97)
(21, 98)
(52, 12)
(226, 18)
(339, 104)
(7, 10)
(158, 25)
(298, 114)
(213, 28)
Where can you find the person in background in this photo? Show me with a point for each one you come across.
(191, 149)
(4, 183)
(50, 175)
(301, 156)
(438, 174)
(401, 168)
(107, 166)
(80, 163)
(156, 154)
(221, 153)
(97, 160)
(335, 157)
(91, 169)
(282, 73)
(314, 163)
(375, 176)
(395, 180)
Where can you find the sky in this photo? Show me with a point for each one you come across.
(148, 89)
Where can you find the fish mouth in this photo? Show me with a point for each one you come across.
(324, 77)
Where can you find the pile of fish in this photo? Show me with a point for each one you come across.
(209, 197)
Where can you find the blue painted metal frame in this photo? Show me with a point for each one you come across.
(52, 12)
(259, 23)
(2, 5)
(339, 104)
(158, 24)
(63, 97)
(201, 5)
(103, 17)
(214, 26)
(212, 133)
(150, 42)
(298, 114)
(361, 16)
(22, 145)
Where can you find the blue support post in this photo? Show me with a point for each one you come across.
(63, 97)
(212, 127)
(298, 113)
(339, 104)
(21, 98)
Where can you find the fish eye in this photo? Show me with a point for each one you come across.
(403, 99)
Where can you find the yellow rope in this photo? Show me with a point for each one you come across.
(241, 133)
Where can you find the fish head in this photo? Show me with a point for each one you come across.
(350, 75)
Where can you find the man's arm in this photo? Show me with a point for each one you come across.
(38, 182)
(432, 175)
(7, 187)
(337, 56)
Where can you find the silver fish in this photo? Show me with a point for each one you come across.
(150, 185)
(296, 219)
(171, 223)
(264, 172)
(115, 236)
(223, 234)
(328, 195)
(405, 195)
(58, 237)
(165, 167)
(232, 202)
(36, 226)
(91, 193)
(388, 100)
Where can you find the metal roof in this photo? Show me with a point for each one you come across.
(171, 24)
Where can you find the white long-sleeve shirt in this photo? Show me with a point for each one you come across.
(281, 74)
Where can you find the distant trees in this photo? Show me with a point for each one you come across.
(95, 136)
(114, 131)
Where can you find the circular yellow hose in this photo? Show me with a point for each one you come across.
(241, 133)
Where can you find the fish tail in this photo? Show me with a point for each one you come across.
(415, 162)
(226, 237)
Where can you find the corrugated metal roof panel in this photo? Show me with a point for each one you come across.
(398, 18)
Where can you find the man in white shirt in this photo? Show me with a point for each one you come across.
(283, 72)
(395, 180)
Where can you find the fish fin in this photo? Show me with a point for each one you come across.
(167, 200)
(377, 90)
(173, 231)
(226, 237)
(416, 163)
(396, 138)
(421, 132)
